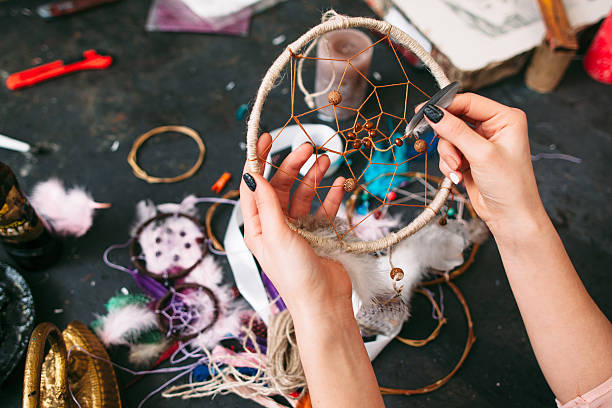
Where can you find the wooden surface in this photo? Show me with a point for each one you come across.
(165, 78)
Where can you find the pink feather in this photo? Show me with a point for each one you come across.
(69, 212)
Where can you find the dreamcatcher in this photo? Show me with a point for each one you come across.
(365, 135)
(386, 265)
(184, 307)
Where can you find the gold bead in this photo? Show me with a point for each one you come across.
(367, 143)
(357, 127)
(349, 185)
(420, 145)
(334, 97)
(351, 135)
(397, 274)
(368, 125)
(356, 144)
(372, 132)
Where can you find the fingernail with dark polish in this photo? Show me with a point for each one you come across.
(249, 181)
(433, 113)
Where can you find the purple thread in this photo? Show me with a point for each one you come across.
(556, 156)
(434, 315)
(182, 348)
(441, 301)
(215, 200)
(164, 385)
(188, 368)
(110, 264)
(213, 250)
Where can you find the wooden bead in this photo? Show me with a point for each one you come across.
(368, 125)
(357, 127)
(351, 135)
(398, 142)
(349, 185)
(420, 145)
(372, 133)
(397, 274)
(334, 97)
(442, 221)
(356, 144)
(367, 142)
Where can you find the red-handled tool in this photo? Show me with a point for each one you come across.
(29, 77)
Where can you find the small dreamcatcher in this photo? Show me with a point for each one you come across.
(168, 246)
(365, 135)
(183, 301)
(187, 310)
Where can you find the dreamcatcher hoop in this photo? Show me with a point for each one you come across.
(134, 242)
(339, 22)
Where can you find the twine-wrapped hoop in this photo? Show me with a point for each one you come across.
(339, 22)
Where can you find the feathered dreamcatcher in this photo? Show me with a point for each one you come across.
(398, 225)
(184, 311)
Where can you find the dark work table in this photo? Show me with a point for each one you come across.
(171, 78)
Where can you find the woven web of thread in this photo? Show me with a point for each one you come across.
(185, 313)
(381, 141)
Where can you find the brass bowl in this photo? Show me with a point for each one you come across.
(69, 363)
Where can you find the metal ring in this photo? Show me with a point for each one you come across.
(141, 174)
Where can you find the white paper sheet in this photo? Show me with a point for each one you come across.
(475, 33)
(218, 8)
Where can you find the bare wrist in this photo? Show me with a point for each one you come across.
(521, 227)
(321, 310)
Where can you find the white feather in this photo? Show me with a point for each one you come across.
(371, 228)
(231, 310)
(69, 212)
(145, 354)
(119, 325)
(432, 247)
(146, 209)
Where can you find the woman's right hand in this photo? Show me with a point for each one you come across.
(491, 156)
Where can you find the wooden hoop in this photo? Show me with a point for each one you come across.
(338, 22)
(141, 174)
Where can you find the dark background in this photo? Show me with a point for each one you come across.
(168, 78)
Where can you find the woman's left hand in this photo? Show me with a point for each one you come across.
(302, 278)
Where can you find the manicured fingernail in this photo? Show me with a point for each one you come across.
(453, 176)
(249, 181)
(433, 113)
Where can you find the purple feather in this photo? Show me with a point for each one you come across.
(149, 285)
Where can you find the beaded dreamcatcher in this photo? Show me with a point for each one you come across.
(382, 142)
(364, 135)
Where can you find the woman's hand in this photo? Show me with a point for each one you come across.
(492, 156)
(317, 291)
(569, 334)
(301, 277)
